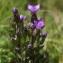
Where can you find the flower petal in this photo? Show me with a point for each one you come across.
(37, 7)
(22, 17)
(40, 24)
(33, 8)
(30, 7)
(35, 23)
(32, 26)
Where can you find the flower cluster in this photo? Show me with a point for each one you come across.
(27, 38)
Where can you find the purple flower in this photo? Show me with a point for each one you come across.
(32, 26)
(39, 24)
(15, 10)
(44, 34)
(35, 22)
(33, 8)
(17, 32)
(29, 46)
(22, 17)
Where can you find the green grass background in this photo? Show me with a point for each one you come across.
(51, 11)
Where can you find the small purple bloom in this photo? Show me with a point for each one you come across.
(29, 46)
(44, 34)
(22, 17)
(39, 24)
(15, 10)
(17, 32)
(32, 26)
(33, 8)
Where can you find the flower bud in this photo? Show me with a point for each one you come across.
(29, 46)
(44, 34)
(17, 49)
(22, 17)
(43, 37)
(15, 10)
(17, 32)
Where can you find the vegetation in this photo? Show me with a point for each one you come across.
(51, 12)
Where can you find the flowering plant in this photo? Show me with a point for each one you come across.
(27, 39)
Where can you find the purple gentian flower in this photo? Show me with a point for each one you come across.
(15, 10)
(33, 8)
(39, 24)
(22, 17)
(17, 32)
(44, 34)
